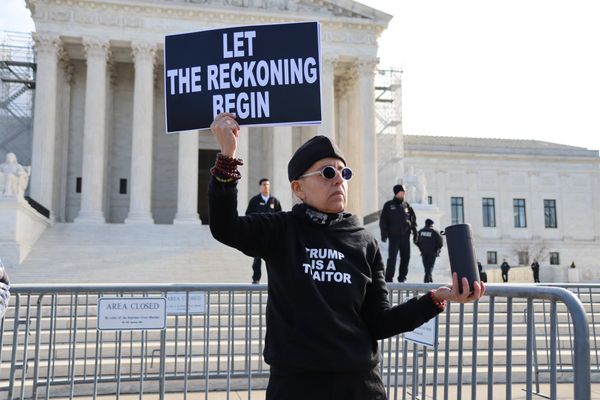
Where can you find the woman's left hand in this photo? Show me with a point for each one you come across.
(452, 293)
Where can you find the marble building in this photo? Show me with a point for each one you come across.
(100, 155)
(100, 152)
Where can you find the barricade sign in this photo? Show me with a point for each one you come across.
(176, 303)
(131, 313)
(424, 334)
(265, 74)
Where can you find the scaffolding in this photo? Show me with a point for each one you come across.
(388, 102)
(17, 84)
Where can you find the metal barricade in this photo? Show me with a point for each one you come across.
(531, 337)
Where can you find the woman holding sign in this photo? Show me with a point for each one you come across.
(328, 302)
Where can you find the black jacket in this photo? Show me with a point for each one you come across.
(397, 219)
(429, 241)
(504, 267)
(258, 205)
(328, 301)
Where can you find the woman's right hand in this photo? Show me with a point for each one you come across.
(225, 129)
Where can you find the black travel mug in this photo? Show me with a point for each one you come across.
(459, 239)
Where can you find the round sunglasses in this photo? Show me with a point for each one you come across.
(329, 172)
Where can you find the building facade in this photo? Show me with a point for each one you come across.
(524, 199)
(100, 152)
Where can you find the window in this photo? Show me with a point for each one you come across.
(123, 186)
(550, 214)
(523, 257)
(519, 213)
(492, 258)
(489, 212)
(554, 258)
(457, 210)
(429, 200)
(78, 185)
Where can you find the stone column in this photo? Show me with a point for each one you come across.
(65, 78)
(94, 132)
(243, 153)
(366, 128)
(328, 98)
(348, 136)
(141, 146)
(282, 152)
(44, 120)
(187, 179)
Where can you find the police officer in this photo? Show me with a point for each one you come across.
(262, 203)
(430, 242)
(397, 221)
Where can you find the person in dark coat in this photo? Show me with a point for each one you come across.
(328, 303)
(504, 267)
(430, 242)
(4, 290)
(397, 221)
(535, 267)
(261, 203)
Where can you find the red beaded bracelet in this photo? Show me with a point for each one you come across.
(225, 168)
(440, 304)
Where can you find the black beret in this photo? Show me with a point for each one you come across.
(313, 150)
(399, 188)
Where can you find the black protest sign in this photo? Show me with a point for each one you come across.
(265, 74)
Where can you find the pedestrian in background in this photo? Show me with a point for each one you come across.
(504, 267)
(535, 267)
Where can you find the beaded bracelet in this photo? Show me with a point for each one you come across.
(225, 169)
(440, 304)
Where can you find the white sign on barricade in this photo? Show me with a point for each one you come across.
(423, 335)
(131, 313)
(176, 303)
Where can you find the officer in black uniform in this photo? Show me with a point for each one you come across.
(261, 203)
(430, 243)
(397, 221)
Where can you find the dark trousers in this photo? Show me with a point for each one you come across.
(504, 276)
(309, 385)
(402, 244)
(256, 273)
(428, 262)
(536, 275)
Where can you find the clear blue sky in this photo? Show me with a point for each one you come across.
(524, 69)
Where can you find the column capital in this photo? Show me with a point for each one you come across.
(64, 61)
(143, 51)
(46, 43)
(97, 48)
(367, 65)
(346, 79)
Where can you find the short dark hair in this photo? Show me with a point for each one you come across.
(263, 180)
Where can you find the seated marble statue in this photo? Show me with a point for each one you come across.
(14, 178)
